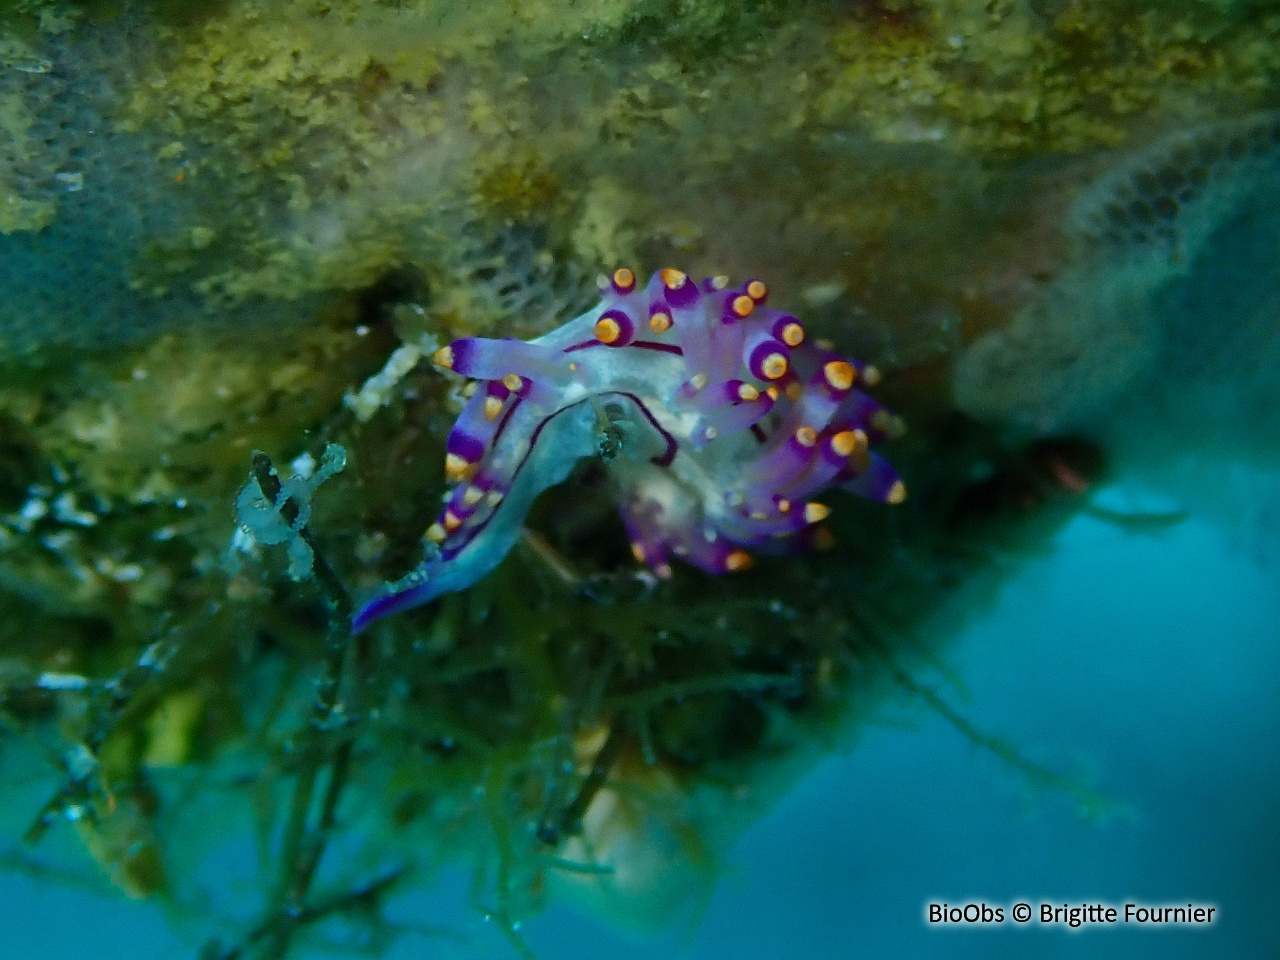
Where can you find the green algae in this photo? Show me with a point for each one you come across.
(17, 212)
(326, 146)
(315, 149)
(567, 711)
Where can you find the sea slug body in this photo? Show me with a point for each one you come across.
(718, 420)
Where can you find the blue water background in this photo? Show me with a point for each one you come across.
(1151, 660)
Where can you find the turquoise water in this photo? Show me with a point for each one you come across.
(1151, 661)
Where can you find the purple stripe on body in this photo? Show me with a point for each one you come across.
(641, 344)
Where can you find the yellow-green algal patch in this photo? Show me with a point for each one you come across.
(322, 142)
(17, 211)
(311, 163)
(118, 470)
(1003, 80)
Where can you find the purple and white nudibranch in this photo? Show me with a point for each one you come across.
(717, 419)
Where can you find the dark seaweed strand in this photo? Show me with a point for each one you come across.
(282, 926)
(335, 594)
(569, 821)
(302, 847)
(121, 691)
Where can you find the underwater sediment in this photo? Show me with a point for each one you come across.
(242, 227)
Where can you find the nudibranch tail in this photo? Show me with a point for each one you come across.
(398, 599)
(717, 420)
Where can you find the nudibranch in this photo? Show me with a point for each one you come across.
(717, 417)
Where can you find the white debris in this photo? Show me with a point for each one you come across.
(66, 510)
(377, 390)
(303, 466)
(33, 510)
(61, 681)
